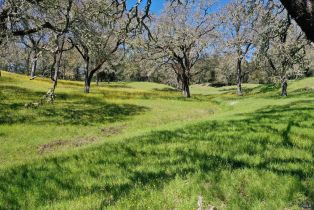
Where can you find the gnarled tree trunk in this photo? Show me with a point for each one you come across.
(87, 85)
(186, 86)
(303, 13)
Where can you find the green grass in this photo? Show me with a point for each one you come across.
(143, 146)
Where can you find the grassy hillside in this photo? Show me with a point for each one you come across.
(143, 146)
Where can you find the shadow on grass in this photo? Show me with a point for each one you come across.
(155, 94)
(273, 92)
(265, 88)
(123, 86)
(276, 140)
(13, 92)
(167, 89)
(68, 109)
(260, 89)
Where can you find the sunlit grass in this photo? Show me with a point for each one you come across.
(76, 115)
(143, 146)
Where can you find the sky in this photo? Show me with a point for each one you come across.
(157, 5)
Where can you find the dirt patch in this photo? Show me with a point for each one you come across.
(113, 130)
(56, 145)
(51, 146)
(81, 141)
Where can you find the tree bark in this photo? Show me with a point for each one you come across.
(284, 87)
(34, 66)
(186, 87)
(57, 63)
(56, 73)
(87, 74)
(303, 13)
(239, 78)
(87, 85)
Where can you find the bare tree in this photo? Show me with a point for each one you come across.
(180, 37)
(61, 10)
(101, 28)
(281, 45)
(238, 34)
(34, 44)
(24, 17)
(301, 11)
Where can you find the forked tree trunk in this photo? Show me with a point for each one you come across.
(186, 86)
(239, 79)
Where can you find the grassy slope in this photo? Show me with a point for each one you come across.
(140, 145)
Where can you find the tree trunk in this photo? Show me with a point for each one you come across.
(284, 87)
(87, 85)
(60, 41)
(187, 91)
(57, 62)
(87, 78)
(239, 78)
(57, 69)
(186, 87)
(34, 66)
